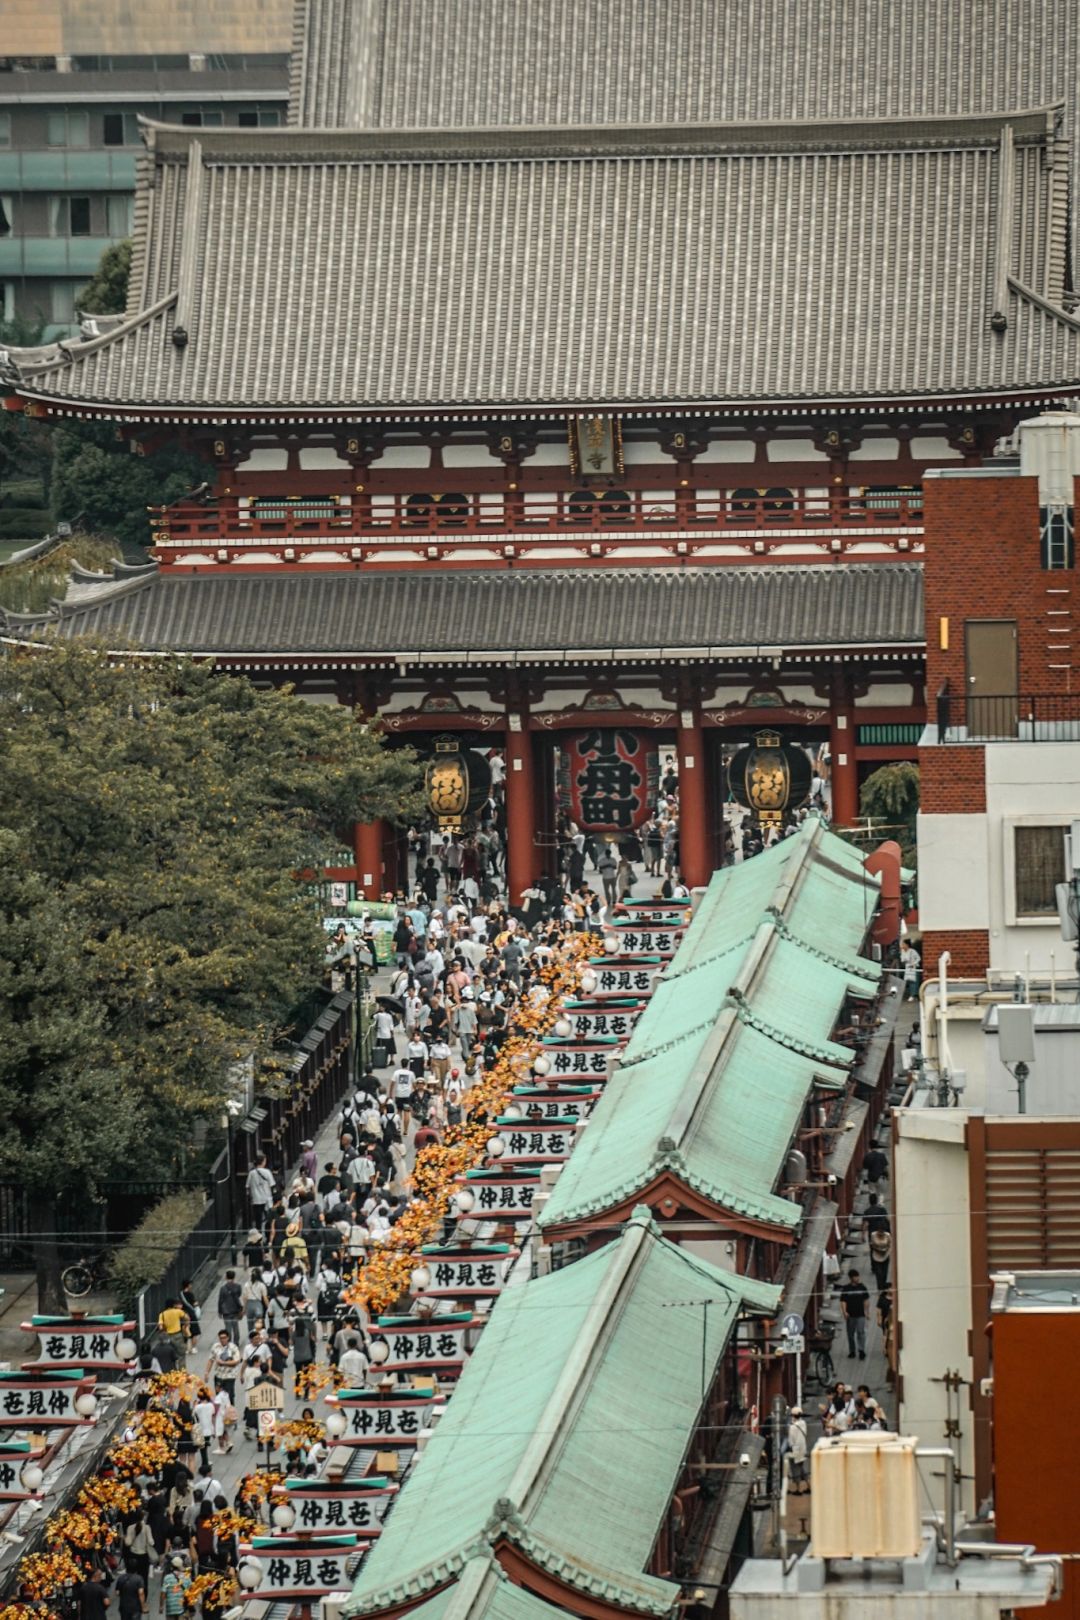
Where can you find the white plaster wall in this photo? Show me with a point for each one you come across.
(320, 456)
(932, 1273)
(1037, 783)
(953, 872)
(885, 448)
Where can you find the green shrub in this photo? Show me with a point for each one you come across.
(147, 1253)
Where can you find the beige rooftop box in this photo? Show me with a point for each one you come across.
(865, 1498)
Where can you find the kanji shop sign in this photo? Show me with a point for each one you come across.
(591, 1021)
(609, 778)
(659, 913)
(556, 1102)
(425, 1343)
(631, 975)
(537, 1141)
(41, 1400)
(466, 1273)
(79, 1341)
(376, 1419)
(324, 1506)
(288, 1569)
(570, 1061)
(14, 1454)
(502, 1197)
(638, 940)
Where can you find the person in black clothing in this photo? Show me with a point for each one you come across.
(853, 1302)
(875, 1165)
(93, 1597)
(876, 1218)
(131, 1591)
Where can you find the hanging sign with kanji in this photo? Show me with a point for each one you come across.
(292, 1569)
(14, 1454)
(378, 1418)
(31, 1400)
(506, 1196)
(425, 1343)
(570, 1060)
(627, 975)
(324, 1505)
(476, 1272)
(657, 913)
(78, 1341)
(609, 778)
(636, 939)
(556, 1102)
(592, 1021)
(536, 1141)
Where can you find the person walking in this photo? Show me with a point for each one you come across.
(608, 866)
(880, 1255)
(798, 1447)
(230, 1305)
(260, 1191)
(854, 1297)
(911, 964)
(223, 1364)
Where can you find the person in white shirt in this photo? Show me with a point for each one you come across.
(403, 1082)
(353, 1364)
(385, 1028)
(440, 1059)
(416, 1056)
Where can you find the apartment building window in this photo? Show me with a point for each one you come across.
(200, 119)
(1038, 866)
(6, 216)
(62, 302)
(69, 216)
(258, 118)
(118, 210)
(69, 129)
(5, 129)
(121, 129)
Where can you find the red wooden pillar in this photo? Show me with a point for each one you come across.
(520, 807)
(368, 844)
(844, 771)
(695, 864)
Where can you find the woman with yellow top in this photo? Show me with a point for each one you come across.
(172, 1326)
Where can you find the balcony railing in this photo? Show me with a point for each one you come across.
(1008, 717)
(702, 511)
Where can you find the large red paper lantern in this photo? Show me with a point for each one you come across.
(610, 778)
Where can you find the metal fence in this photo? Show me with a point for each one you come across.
(1008, 717)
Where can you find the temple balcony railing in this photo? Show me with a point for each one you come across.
(700, 512)
(1006, 717)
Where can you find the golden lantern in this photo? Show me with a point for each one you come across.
(446, 782)
(769, 778)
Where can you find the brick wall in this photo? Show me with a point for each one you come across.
(969, 949)
(952, 779)
(983, 562)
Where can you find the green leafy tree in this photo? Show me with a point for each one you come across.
(153, 817)
(99, 485)
(106, 292)
(890, 797)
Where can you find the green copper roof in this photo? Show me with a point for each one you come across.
(737, 1035)
(544, 1432)
(483, 1592)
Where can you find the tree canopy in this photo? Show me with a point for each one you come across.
(106, 291)
(153, 817)
(890, 796)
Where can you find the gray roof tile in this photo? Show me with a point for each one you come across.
(520, 614)
(577, 269)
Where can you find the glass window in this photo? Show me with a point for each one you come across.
(79, 210)
(58, 216)
(5, 129)
(7, 300)
(114, 129)
(213, 120)
(62, 301)
(1056, 535)
(6, 216)
(118, 215)
(247, 118)
(194, 119)
(1040, 866)
(269, 118)
(68, 129)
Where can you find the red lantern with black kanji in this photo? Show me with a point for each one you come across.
(610, 777)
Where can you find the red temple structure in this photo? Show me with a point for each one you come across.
(584, 373)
